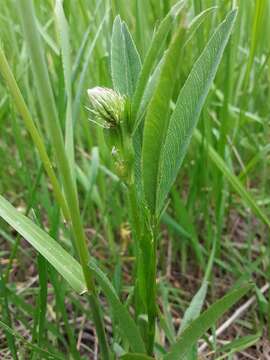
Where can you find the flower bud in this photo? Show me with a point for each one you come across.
(107, 106)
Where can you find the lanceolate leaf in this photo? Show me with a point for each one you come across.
(207, 319)
(127, 326)
(195, 307)
(125, 59)
(196, 23)
(188, 107)
(59, 258)
(152, 56)
(156, 121)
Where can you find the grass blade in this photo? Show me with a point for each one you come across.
(238, 345)
(59, 258)
(48, 107)
(45, 354)
(31, 127)
(232, 179)
(63, 30)
(208, 318)
(82, 77)
(5, 311)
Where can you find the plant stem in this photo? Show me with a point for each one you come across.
(145, 236)
(97, 318)
(151, 236)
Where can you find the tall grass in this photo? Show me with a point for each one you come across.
(175, 150)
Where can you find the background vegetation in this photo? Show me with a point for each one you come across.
(218, 208)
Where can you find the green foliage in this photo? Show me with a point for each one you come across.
(63, 262)
(125, 60)
(156, 121)
(102, 193)
(152, 57)
(199, 326)
(135, 357)
(188, 107)
(127, 326)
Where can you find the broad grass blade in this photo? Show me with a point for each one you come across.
(59, 258)
(208, 318)
(188, 107)
(125, 59)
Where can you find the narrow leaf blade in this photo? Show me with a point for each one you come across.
(234, 181)
(59, 258)
(63, 30)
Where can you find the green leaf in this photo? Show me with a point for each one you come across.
(238, 345)
(148, 92)
(50, 115)
(207, 319)
(132, 356)
(156, 121)
(196, 23)
(152, 55)
(195, 307)
(127, 326)
(59, 258)
(188, 107)
(125, 59)
(32, 129)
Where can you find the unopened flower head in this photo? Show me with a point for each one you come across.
(107, 106)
